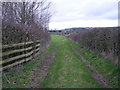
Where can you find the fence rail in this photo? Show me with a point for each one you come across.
(15, 54)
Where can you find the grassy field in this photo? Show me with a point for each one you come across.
(67, 70)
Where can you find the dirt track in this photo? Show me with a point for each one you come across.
(94, 72)
(42, 70)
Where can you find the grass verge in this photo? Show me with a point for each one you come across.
(21, 78)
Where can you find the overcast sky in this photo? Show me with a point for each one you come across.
(84, 13)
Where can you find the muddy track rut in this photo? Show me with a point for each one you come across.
(94, 72)
(40, 73)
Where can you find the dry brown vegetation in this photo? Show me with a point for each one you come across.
(25, 21)
(101, 40)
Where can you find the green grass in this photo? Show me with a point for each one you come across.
(105, 66)
(68, 71)
(21, 78)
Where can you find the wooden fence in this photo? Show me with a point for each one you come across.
(15, 54)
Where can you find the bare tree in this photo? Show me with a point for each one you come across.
(32, 17)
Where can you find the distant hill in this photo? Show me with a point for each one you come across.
(75, 30)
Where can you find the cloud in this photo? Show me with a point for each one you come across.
(83, 23)
(102, 10)
(79, 10)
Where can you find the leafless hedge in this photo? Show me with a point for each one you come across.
(102, 40)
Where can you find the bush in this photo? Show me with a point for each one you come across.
(101, 40)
